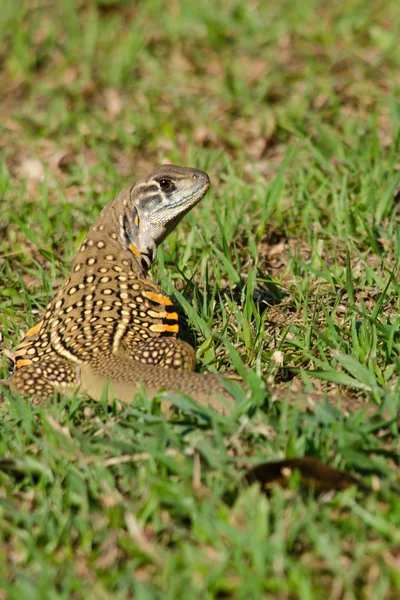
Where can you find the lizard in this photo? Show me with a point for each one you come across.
(110, 324)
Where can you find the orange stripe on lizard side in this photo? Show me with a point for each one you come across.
(173, 316)
(159, 298)
(23, 363)
(162, 314)
(24, 343)
(34, 330)
(134, 250)
(161, 328)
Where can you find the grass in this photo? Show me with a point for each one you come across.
(289, 267)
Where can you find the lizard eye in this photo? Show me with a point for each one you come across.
(166, 184)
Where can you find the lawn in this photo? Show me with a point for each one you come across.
(287, 272)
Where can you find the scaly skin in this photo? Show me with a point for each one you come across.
(109, 324)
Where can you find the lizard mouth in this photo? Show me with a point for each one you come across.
(190, 199)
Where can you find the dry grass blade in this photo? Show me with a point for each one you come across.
(138, 536)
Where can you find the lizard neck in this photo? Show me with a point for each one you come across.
(117, 236)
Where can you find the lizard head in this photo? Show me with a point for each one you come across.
(156, 205)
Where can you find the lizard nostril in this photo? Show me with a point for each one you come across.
(195, 175)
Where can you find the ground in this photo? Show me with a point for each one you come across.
(287, 271)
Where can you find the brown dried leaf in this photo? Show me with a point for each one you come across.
(314, 475)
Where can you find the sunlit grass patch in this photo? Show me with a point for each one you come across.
(287, 271)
